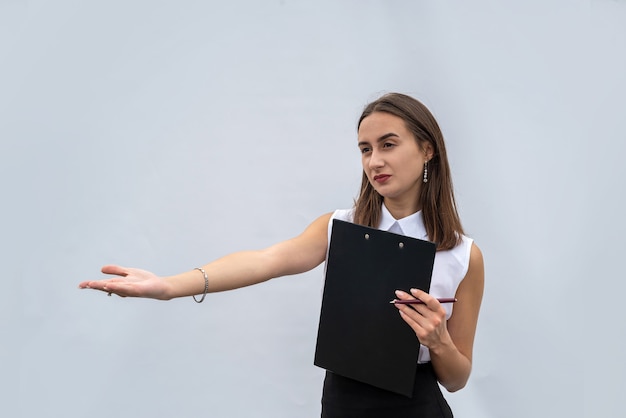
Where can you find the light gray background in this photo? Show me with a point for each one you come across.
(163, 134)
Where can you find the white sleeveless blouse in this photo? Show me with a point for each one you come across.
(449, 268)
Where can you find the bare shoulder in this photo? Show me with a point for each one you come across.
(470, 290)
(476, 269)
(472, 284)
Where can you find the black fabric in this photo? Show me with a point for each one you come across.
(347, 398)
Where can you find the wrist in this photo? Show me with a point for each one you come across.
(169, 291)
(445, 346)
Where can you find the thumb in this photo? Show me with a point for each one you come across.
(117, 270)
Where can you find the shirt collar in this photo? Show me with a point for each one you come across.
(411, 226)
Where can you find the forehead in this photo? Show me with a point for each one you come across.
(380, 123)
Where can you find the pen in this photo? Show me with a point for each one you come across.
(417, 301)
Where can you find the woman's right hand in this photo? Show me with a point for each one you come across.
(130, 282)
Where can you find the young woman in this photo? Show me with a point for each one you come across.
(406, 189)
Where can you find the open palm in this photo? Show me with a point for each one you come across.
(129, 282)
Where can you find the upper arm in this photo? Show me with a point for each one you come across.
(462, 323)
(302, 253)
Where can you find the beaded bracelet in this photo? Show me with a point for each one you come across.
(206, 285)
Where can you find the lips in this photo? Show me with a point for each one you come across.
(381, 178)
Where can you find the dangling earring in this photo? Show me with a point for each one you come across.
(426, 171)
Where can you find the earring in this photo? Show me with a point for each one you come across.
(426, 171)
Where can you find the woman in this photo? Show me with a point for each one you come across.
(407, 189)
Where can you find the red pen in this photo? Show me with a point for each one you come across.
(417, 301)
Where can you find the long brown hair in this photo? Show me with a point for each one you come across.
(436, 197)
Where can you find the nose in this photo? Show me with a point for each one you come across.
(375, 161)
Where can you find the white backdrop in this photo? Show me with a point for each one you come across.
(164, 134)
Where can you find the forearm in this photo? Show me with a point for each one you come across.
(230, 272)
(451, 366)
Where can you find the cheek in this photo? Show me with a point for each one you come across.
(414, 168)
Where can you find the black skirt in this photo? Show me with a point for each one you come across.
(347, 398)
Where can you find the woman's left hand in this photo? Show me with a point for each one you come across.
(428, 320)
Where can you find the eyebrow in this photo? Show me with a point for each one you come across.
(382, 138)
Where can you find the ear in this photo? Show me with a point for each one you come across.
(429, 150)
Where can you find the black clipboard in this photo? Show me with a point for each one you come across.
(361, 335)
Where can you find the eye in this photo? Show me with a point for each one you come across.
(388, 145)
(365, 150)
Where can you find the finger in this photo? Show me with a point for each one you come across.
(97, 284)
(412, 311)
(415, 294)
(122, 288)
(430, 301)
(414, 320)
(420, 318)
(94, 284)
(419, 308)
(416, 312)
(403, 295)
(113, 269)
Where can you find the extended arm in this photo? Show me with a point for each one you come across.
(450, 342)
(233, 271)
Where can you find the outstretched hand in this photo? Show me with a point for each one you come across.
(129, 282)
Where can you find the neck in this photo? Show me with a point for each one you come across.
(401, 210)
